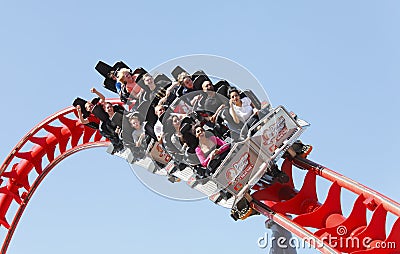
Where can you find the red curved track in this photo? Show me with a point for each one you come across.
(61, 135)
(55, 138)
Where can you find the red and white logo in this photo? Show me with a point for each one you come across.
(274, 133)
(238, 187)
(242, 166)
(231, 173)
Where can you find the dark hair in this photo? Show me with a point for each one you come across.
(198, 126)
(231, 90)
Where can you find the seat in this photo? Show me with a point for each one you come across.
(139, 72)
(117, 119)
(198, 81)
(213, 164)
(118, 108)
(176, 71)
(234, 128)
(160, 77)
(198, 73)
(104, 69)
(81, 102)
(222, 87)
(100, 113)
(256, 102)
(253, 119)
(119, 65)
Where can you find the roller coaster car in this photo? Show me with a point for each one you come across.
(249, 160)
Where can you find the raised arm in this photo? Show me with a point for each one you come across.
(233, 113)
(255, 110)
(223, 145)
(169, 94)
(213, 118)
(100, 95)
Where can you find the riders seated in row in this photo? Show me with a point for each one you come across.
(150, 99)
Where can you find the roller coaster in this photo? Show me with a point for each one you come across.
(252, 178)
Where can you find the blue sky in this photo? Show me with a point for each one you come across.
(334, 63)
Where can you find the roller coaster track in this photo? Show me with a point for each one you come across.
(332, 232)
(60, 131)
(61, 135)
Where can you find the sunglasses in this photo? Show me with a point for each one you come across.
(198, 131)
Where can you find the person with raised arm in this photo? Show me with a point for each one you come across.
(98, 114)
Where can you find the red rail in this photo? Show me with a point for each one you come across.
(61, 136)
(323, 224)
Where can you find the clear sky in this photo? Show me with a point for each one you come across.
(336, 64)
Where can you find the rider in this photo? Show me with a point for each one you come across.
(98, 114)
(209, 148)
(242, 111)
(152, 91)
(183, 86)
(126, 86)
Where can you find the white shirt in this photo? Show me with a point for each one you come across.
(158, 129)
(245, 111)
(136, 134)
